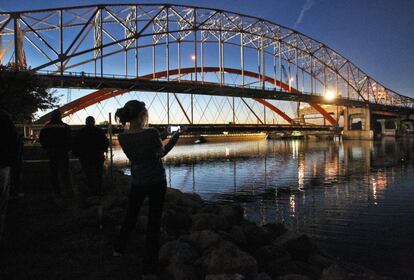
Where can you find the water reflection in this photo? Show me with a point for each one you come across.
(350, 194)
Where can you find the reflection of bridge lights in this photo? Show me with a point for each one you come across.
(379, 182)
(301, 174)
(329, 95)
(292, 202)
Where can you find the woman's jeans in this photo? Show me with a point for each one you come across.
(137, 195)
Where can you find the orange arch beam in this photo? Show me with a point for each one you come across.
(103, 94)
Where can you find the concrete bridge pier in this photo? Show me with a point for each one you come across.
(389, 126)
(357, 124)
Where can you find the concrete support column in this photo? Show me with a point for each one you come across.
(346, 119)
(366, 133)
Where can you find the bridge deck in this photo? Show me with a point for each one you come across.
(191, 87)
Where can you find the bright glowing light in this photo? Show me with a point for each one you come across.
(292, 79)
(193, 57)
(329, 95)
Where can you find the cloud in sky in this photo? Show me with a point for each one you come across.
(306, 7)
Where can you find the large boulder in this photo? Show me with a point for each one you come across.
(176, 220)
(320, 261)
(275, 229)
(263, 276)
(300, 246)
(280, 267)
(180, 271)
(205, 221)
(192, 201)
(235, 235)
(294, 277)
(224, 277)
(188, 201)
(256, 236)
(334, 272)
(233, 214)
(177, 251)
(204, 239)
(227, 258)
(270, 253)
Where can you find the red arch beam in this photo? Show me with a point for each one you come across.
(103, 94)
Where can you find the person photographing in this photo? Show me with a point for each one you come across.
(144, 148)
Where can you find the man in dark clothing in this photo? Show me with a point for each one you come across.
(8, 153)
(16, 188)
(89, 145)
(55, 137)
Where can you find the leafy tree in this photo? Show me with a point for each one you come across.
(22, 94)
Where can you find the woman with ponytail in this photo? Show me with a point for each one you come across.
(144, 148)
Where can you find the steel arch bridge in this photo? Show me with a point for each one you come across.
(118, 48)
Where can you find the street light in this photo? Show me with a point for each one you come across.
(329, 95)
(193, 57)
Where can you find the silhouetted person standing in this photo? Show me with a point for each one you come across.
(8, 154)
(144, 149)
(16, 188)
(89, 145)
(55, 137)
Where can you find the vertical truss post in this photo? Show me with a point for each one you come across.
(297, 81)
(263, 63)
(324, 79)
(195, 61)
(337, 93)
(347, 84)
(195, 45)
(167, 46)
(280, 63)
(101, 39)
(297, 69)
(242, 70)
(303, 81)
(61, 40)
(202, 55)
(274, 66)
(126, 62)
(136, 41)
(289, 76)
(311, 75)
(221, 57)
(16, 39)
(242, 57)
(234, 112)
(262, 71)
(179, 57)
(168, 108)
(259, 68)
(153, 59)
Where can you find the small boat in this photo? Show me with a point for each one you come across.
(297, 135)
(233, 137)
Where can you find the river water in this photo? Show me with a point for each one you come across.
(355, 197)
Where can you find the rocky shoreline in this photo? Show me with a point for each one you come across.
(199, 240)
(212, 241)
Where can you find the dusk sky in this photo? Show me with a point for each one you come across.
(377, 35)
